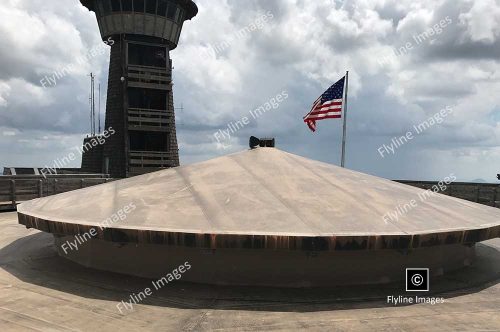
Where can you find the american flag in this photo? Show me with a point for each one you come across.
(327, 106)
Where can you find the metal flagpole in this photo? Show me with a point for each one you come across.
(342, 163)
(93, 104)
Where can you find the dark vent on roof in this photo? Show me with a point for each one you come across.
(261, 142)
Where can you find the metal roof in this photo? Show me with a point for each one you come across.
(265, 198)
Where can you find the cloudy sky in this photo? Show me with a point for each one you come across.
(408, 60)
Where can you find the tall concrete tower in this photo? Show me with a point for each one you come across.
(140, 105)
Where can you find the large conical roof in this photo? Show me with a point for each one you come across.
(269, 193)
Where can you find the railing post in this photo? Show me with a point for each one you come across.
(40, 188)
(13, 192)
(55, 186)
(495, 196)
(82, 181)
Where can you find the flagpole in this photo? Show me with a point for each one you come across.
(342, 163)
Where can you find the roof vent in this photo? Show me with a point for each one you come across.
(261, 142)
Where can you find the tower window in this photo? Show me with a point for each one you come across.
(171, 11)
(147, 98)
(148, 141)
(127, 5)
(162, 7)
(180, 18)
(151, 7)
(115, 5)
(106, 7)
(139, 6)
(143, 55)
(100, 8)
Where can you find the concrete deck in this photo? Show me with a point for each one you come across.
(43, 292)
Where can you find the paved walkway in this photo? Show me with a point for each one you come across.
(41, 291)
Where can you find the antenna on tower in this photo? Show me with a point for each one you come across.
(99, 116)
(92, 105)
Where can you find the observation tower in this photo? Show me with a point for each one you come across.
(140, 105)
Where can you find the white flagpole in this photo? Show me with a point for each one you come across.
(342, 163)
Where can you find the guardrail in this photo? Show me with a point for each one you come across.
(482, 193)
(17, 189)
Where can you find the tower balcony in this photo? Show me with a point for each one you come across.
(149, 77)
(141, 162)
(150, 120)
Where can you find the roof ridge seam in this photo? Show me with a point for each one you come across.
(313, 228)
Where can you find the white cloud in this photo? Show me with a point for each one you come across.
(483, 21)
(4, 94)
(303, 49)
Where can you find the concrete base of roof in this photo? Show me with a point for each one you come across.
(274, 268)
